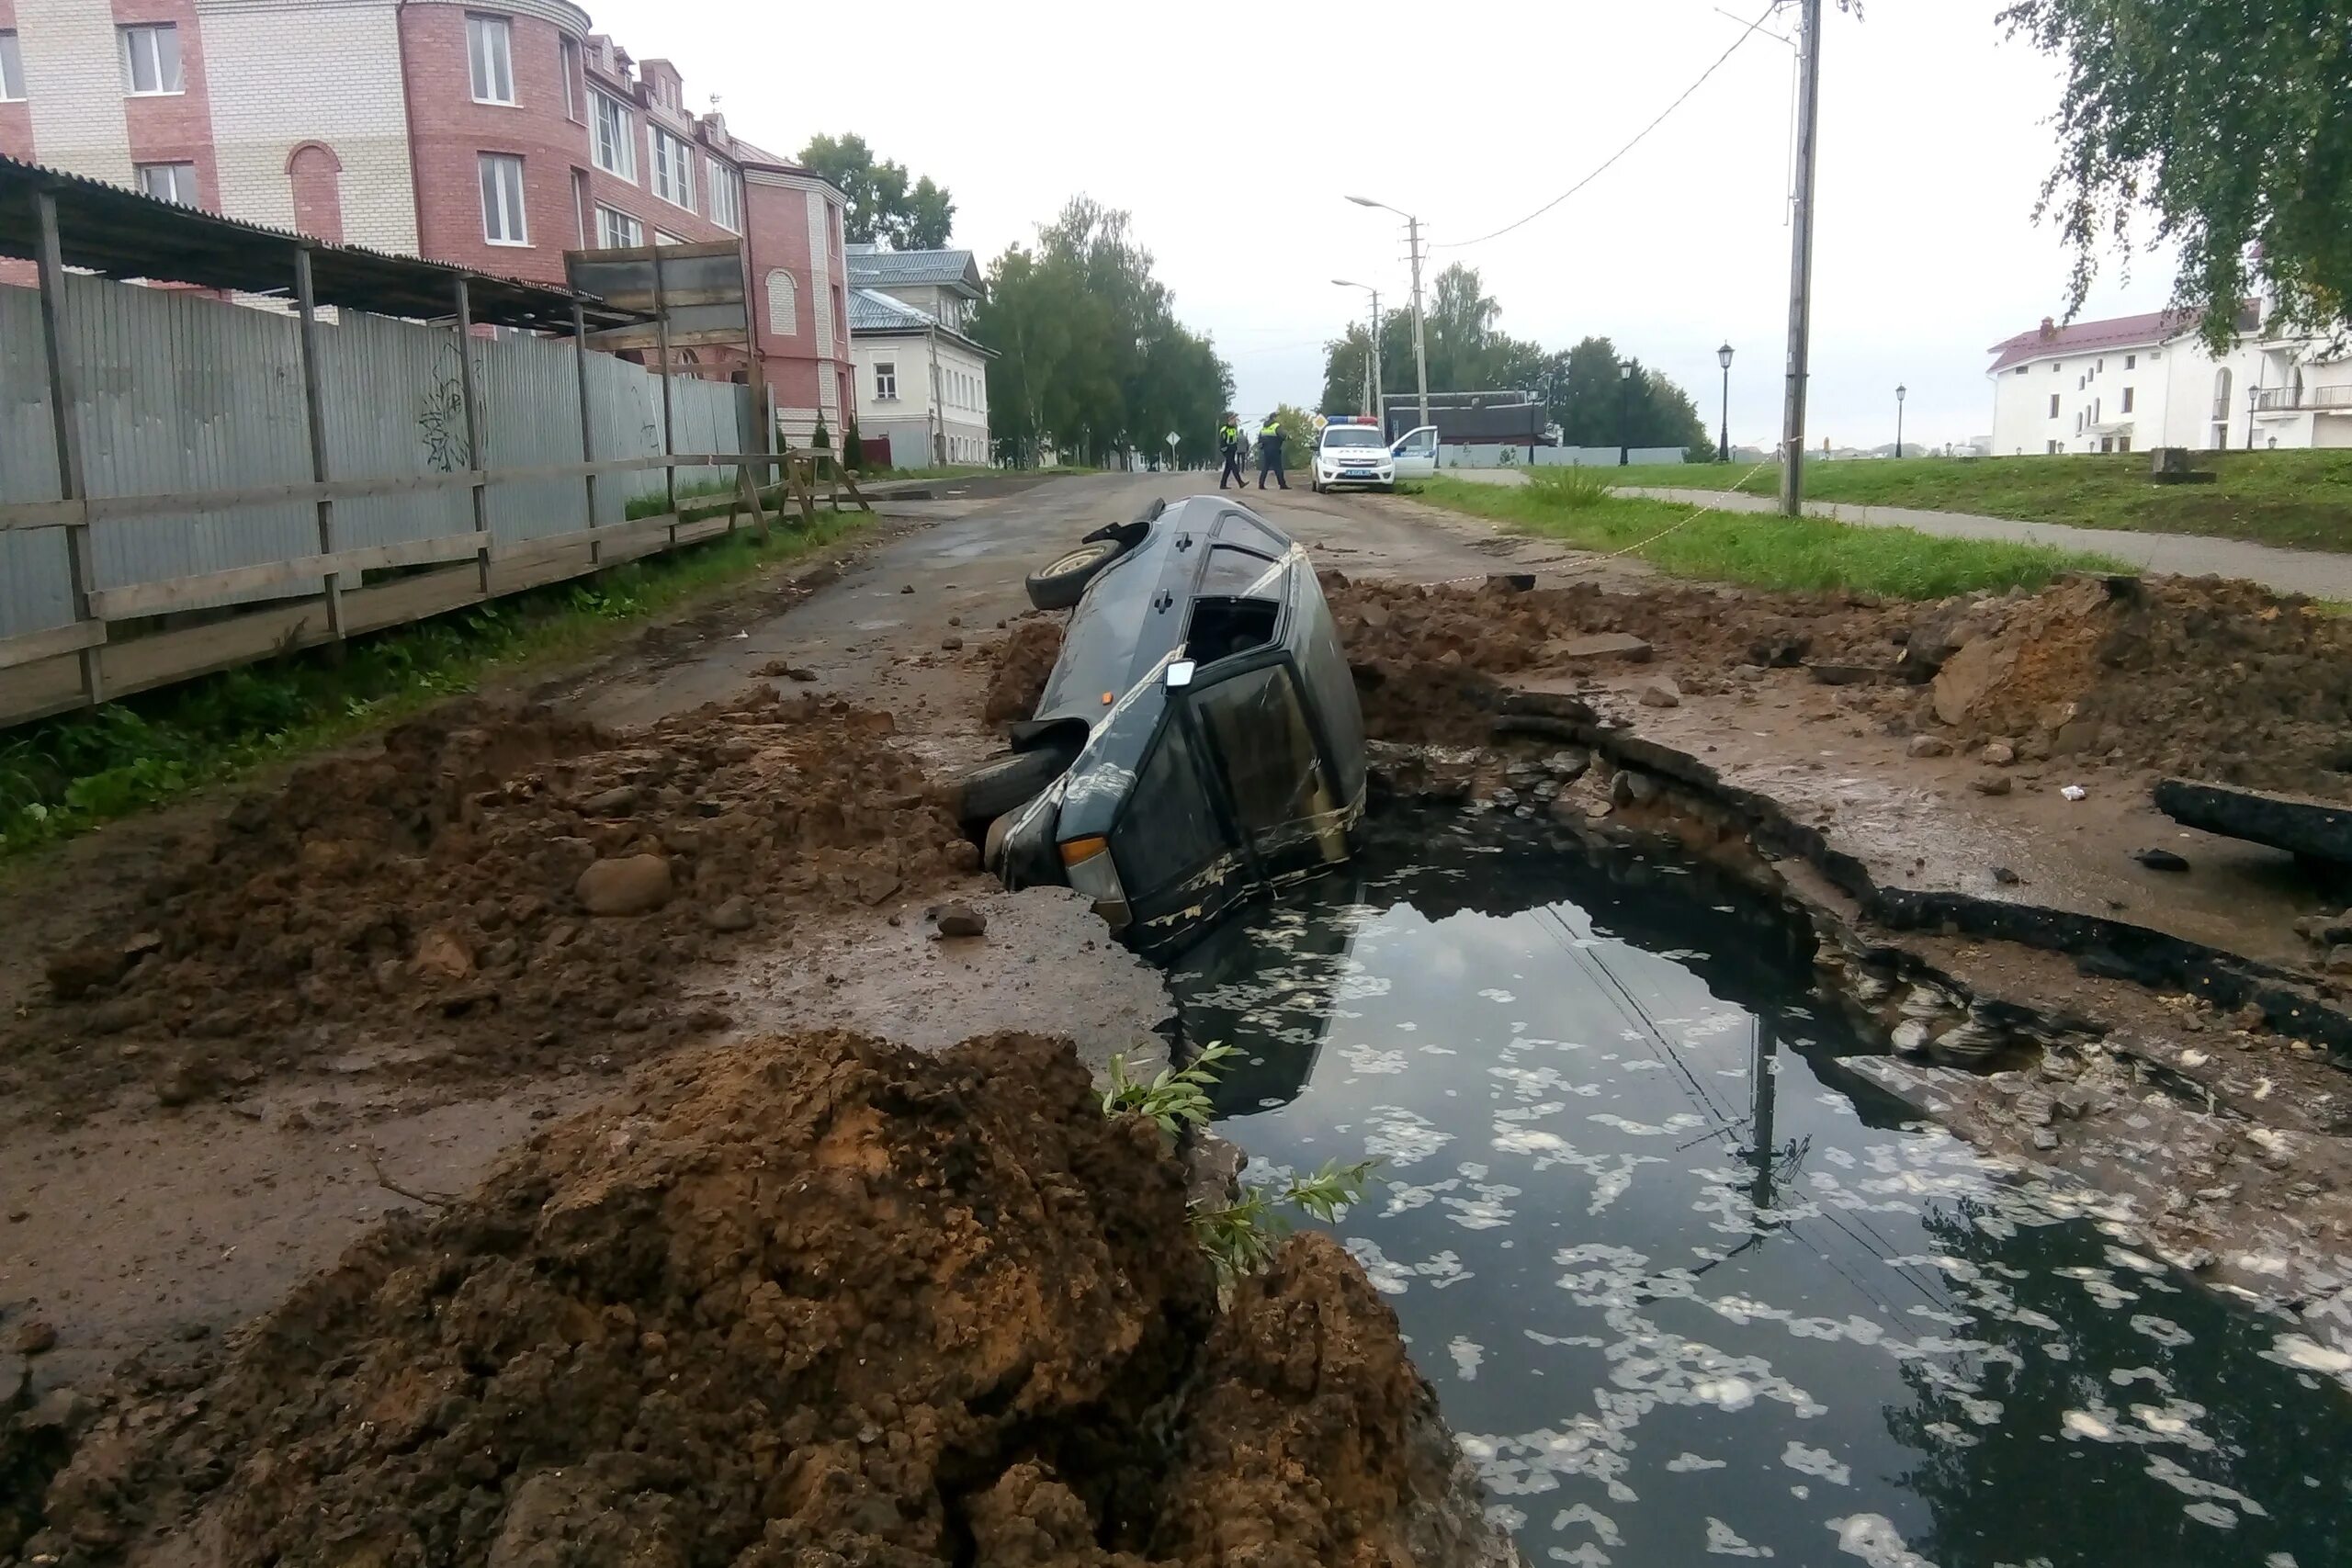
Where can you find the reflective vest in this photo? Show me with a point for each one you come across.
(1228, 435)
(1273, 431)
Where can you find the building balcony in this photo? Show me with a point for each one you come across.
(2301, 400)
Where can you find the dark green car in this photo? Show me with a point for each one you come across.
(1199, 738)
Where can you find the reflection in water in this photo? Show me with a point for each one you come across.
(1689, 1291)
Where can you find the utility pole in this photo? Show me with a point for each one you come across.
(1421, 346)
(1801, 263)
(1379, 403)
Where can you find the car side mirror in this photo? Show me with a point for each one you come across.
(1179, 674)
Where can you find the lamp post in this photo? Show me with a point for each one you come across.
(1625, 414)
(1372, 358)
(1901, 392)
(1420, 349)
(1722, 450)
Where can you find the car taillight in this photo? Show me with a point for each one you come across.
(1092, 874)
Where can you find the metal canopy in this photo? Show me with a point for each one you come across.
(122, 234)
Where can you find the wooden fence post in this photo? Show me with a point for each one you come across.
(467, 397)
(587, 429)
(72, 481)
(314, 412)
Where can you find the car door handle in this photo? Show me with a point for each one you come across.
(1165, 600)
(1184, 541)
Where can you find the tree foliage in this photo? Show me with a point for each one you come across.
(2226, 121)
(1091, 359)
(1582, 387)
(884, 208)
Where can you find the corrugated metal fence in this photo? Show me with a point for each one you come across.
(183, 393)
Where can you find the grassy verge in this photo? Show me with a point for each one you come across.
(65, 775)
(2301, 499)
(1762, 551)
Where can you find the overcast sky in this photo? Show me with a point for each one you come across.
(1233, 136)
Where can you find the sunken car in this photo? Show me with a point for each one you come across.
(1199, 739)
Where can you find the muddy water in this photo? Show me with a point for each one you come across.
(1687, 1289)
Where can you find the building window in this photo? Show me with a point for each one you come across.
(151, 59)
(489, 55)
(12, 68)
(885, 380)
(673, 169)
(783, 315)
(567, 64)
(2127, 399)
(579, 208)
(501, 200)
(615, 144)
(167, 182)
(617, 231)
(2053, 405)
(2131, 362)
(2051, 449)
(726, 197)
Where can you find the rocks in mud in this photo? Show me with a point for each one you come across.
(960, 921)
(1630, 787)
(951, 643)
(2161, 860)
(442, 955)
(730, 914)
(630, 885)
(2326, 931)
(35, 1337)
(1993, 784)
(1997, 753)
(1928, 746)
(804, 1300)
(1660, 692)
(1595, 646)
(618, 801)
(2005, 877)
(75, 972)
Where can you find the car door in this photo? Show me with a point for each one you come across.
(1416, 454)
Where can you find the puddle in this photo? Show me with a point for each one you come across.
(1686, 1289)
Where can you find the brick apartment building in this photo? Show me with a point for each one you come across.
(495, 134)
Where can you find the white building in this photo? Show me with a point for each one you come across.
(2137, 383)
(921, 381)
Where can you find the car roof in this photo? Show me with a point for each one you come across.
(1137, 611)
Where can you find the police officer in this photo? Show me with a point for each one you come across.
(1229, 441)
(1270, 453)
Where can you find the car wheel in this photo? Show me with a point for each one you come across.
(1062, 583)
(1005, 783)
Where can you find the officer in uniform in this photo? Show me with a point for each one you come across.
(1229, 441)
(1270, 453)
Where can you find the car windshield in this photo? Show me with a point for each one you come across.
(1353, 436)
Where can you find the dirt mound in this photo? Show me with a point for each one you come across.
(494, 891)
(1021, 662)
(2213, 679)
(805, 1301)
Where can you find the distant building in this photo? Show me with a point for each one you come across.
(921, 382)
(2136, 382)
(495, 134)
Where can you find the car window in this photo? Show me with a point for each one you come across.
(1239, 574)
(1236, 528)
(1353, 435)
(1168, 832)
(1266, 753)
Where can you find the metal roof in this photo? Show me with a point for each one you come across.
(873, 268)
(879, 315)
(2049, 341)
(121, 233)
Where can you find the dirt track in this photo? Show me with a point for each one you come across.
(357, 995)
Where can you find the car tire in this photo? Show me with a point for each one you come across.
(1063, 582)
(1007, 783)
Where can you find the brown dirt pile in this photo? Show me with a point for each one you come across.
(809, 1301)
(1020, 664)
(433, 907)
(2215, 680)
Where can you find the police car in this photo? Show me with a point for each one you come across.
(1354, 451)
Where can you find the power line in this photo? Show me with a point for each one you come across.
(1753, 28)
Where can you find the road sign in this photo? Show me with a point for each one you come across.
(1173, 438)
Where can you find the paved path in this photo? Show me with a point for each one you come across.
(2319, 573)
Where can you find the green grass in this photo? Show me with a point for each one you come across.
(1760, 550)
(63, 776)
(2301, 499)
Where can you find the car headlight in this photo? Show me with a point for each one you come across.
(1087, 862)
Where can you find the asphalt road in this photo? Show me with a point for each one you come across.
(955, 568)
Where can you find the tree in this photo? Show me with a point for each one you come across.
(2226, 123)
(884, 209)
(1091, 359)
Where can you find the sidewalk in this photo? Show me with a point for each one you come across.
(2319, 574)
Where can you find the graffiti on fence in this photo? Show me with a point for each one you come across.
(441, 415)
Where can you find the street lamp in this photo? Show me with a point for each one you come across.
(1372, 358)
(1722, 357)
(1625, 414)
(1901, 392)
(1420, 350)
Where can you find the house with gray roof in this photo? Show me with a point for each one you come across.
(921, 383)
